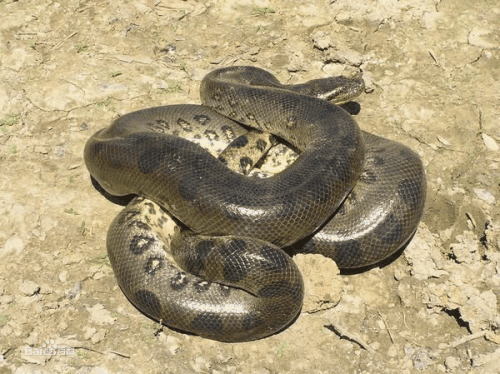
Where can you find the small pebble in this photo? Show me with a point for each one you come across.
(45, 289)
(484, 195)
(89, 332)
(443, 140)
(172, 345)
(489, 142)
(451, 362)
(392, 351)
(98, 337)
(74, 291)
(63, 276)
(29, 288)
(6, 299)
(14, 243)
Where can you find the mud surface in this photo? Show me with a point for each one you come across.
(69, 68)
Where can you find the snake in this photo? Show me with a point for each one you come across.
(200, 248)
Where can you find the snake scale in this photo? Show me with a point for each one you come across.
(199, 249)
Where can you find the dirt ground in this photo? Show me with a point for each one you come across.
(69, 68)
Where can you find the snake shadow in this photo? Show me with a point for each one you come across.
(161, 326)
(297, 248)
(118, 200)
(381, 264)
(353, 108)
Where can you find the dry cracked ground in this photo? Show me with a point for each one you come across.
(69, 67)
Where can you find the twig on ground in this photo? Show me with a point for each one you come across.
(345, 334)
(387, 327)
(467, 338)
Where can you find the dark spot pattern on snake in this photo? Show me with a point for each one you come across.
(153, 265)
(184, 124)
(152, 210)
(279, 287)
(237, 268)
(201, 286)
(406, 190)
(203, 248)
(188, 189)
(179, 281)
(150, 159)
(271, 260)
(261, 145)
(147, 301)
(194, 263)
(159, 125)
(211, 135)
(139, 225)
(128, 216)
(208, 322)
(224, 290)
(240, 142)
(391, 230)
(140, 243)
(378, 160)
(252, 321)
(245, 164)
(355, 253)
(202, 119)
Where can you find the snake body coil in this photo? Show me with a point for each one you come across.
(202, 193)
(249, 217)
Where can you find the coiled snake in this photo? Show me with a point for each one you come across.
(249, 288)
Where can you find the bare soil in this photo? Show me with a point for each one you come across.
(68, 68)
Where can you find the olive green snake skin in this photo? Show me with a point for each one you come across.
(217, 269)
